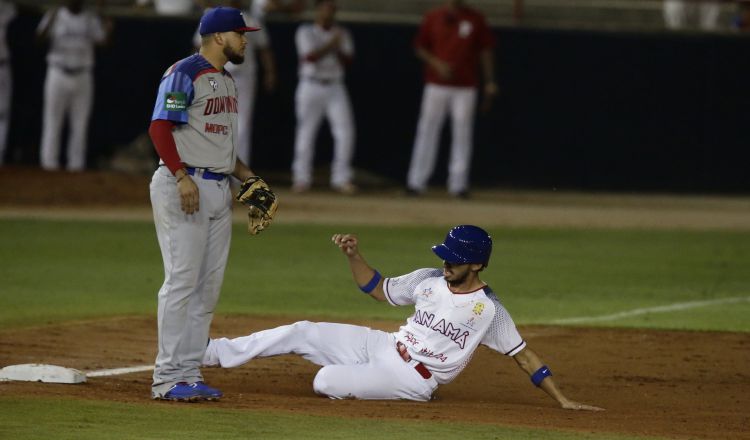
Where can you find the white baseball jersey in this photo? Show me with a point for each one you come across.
(447, 327)
(72, 37)
(311, 37)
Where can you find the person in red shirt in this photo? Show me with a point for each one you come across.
(454, 40)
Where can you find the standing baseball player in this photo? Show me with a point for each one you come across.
(72, 32)
(7, 13)
(193, 128)
(323, 49)
(452, 41)
(245, 77)
(455, 313)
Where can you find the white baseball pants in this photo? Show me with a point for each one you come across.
(313, 101)
(194, 249)
(246, 87)
(6, 89)
(358, 362)
(68, 95)
(437, 101)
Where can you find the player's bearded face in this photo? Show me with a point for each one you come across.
(456, 274)
(234, 50)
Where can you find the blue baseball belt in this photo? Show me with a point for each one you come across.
(206, 174)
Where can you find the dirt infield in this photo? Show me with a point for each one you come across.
(671, 384)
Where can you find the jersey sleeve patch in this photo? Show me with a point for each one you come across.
(399, 291)
(174, 97)
(175, 101)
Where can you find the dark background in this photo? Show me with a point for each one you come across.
(578, 109)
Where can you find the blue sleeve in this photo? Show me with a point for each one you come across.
(175, 95)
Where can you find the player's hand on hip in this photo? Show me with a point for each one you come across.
(576, 406)
(189, 197)
(347, 243)
(443, 69)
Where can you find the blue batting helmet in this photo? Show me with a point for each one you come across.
(465, 244)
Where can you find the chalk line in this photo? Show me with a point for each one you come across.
(657, 309)
(119, 371)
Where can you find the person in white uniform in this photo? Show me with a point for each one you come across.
(246, 77)
(72, 32)
(7, 13)
(323, 49)
(455, 312)
(680, 14)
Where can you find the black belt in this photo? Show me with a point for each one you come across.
(323, 81)
(3, 62)
(421, 369)
(208, 175)
(72, 70)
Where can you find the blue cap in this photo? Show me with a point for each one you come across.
(465, 244)
(223, 19)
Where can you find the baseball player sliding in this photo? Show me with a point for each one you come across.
(455, 312)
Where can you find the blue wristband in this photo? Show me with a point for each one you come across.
(369, 287)
(540, 374)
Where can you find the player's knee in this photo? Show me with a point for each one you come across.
(324, 384)
(305, 330)
(303, 327)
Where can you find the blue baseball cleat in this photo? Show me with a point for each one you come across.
(207, 392)
(183, 392)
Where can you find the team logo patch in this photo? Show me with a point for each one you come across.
(214, 84)
(478, 309)
(175, 101)
(427, 292)
(465, 28)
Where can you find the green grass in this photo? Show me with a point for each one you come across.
(43, 419)
(54, 271)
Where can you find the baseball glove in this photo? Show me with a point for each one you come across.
(261, 203)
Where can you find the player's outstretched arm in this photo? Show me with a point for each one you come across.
(367, 278)
(541, 377)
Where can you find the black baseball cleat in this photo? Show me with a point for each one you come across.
(411, 192)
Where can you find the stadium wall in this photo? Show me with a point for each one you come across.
(578, 109)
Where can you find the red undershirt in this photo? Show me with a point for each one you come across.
(161, 135)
